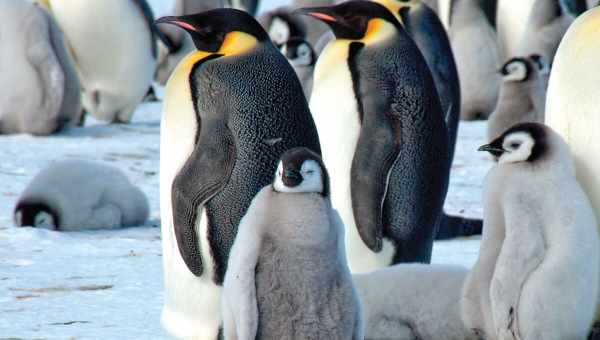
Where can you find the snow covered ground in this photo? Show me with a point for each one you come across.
(108, 284)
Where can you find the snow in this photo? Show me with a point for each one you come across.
(108, 284)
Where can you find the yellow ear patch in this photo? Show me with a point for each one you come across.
(378, 30)
(237, 43)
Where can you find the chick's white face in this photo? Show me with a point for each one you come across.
(307, 179)
(303, 56)
(517, 146)
(279, 31)
(517, 71)
(44, 220)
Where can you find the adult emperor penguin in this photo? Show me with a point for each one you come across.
(384, 137)
(537, 272)
(114, 48)
(413, 301)
(474, 43)
(103, 198)
(231, 109)
(40, 89)
(512, 18)
(572, 105)
(287, 276)
(522, 94)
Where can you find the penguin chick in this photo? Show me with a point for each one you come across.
(522, 94)
(303, 59)
(282, 25)
(537, 272)
(473, 41)
(115, 50)
(40, 89)
(546, 26)
(413, 301)
(287, 274)
(81, 195)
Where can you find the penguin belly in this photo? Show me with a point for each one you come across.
(335, 111)
(112, 47)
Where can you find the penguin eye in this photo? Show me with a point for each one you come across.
(310, 172)
(515, 145)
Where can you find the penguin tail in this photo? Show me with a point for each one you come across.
(458, 226)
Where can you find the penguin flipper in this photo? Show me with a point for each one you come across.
(522, 251)
(377, 149)
(458, 226)
(204, 174)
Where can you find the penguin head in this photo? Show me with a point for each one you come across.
(209, 30)
(299, 53)
(37, 215)
(351, 20)
(525, 142)
(300, 170)
(520, 69)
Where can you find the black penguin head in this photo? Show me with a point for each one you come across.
(300, 170)
(525, 142)
(209, 29)
(350, 20)
(37, 215)
(299, 53)
(522, 69)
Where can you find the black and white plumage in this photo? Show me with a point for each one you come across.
(81, 195)
(231, 109)
(537, 272)
(40, 89)
(522, 94)
(384, 137)
(287, 276)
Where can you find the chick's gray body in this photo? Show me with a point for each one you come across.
(303, 287)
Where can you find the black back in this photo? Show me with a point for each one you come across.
(146, 10)
(400, 109)
(428, 32)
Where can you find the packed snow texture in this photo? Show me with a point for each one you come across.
(108, 284)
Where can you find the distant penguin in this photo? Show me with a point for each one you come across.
(537, 273)
(175, 44)
(512, 18)
(287, 276)
(546, 26)
(303, 58)
(384, 137)
(250, 6)
(413, 301)
(522, 94)
(572, 101)
(473, 41)
(81, 195)
(114, 48)
(40, 89)
(231, 109)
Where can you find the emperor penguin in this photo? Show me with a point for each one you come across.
(114, 47)
(411, 301)
(512, 18)
(287, 275)
(572, 105)
(522, 94)
(473, 41)
(231, 108)
(74, 195)
(546, 26)
(40, 89)
(175, 44)
(537, 272)
(384, 137)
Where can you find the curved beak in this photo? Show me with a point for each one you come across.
(177, 21)
(496, 151)
(324, 14)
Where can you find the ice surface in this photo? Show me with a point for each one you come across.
(108, 284)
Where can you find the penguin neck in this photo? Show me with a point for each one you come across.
(395, 6)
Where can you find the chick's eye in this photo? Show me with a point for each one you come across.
(514, 145)
(310, 172)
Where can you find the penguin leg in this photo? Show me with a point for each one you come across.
(206, 171)
(522, 252)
